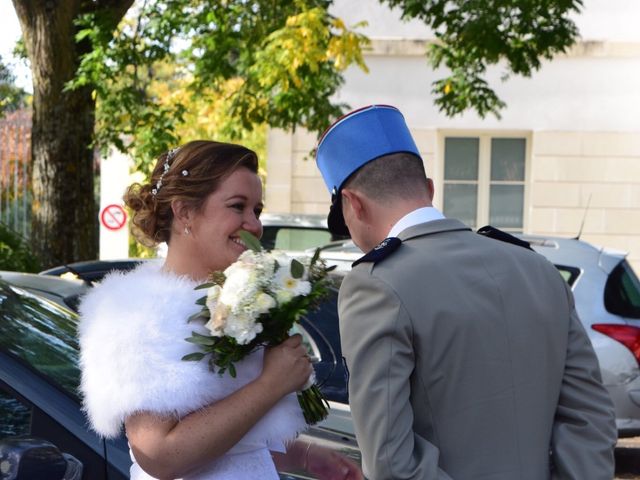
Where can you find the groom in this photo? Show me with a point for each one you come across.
(467, 359)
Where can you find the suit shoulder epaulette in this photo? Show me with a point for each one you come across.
(380, 251)
(496, 234)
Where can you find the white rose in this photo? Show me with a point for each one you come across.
(264, 303)
(237, 286)
(242, 328)
(217, 321)
(213, 293)
(284, 296)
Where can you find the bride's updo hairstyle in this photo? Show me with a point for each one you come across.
(188, 173)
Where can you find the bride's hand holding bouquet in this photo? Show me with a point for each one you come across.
(285, 357)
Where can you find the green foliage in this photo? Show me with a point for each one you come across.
(11, 97)
(475, 34)
(250, 241)
(15, 254)
(263, 62)
(138, 250)
(177, 70)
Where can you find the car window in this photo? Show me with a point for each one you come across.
(301, 239)
(42, 334)
(622, 292)
(569, 274)
(15, 416)
(294, 238)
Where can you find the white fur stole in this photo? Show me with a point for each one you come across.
(132, 332)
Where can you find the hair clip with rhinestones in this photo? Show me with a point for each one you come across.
(170, 154)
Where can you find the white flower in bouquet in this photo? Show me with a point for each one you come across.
(286, 286)
(216, 323)
(264, 303)
(213, 294)
(243, 327)
(237, 305)
(240, 286)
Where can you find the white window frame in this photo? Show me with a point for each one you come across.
(484, 171)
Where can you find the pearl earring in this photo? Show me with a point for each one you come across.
(187, 230)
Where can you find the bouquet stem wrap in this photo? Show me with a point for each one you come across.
(314, 406)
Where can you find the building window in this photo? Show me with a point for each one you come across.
(484, 181)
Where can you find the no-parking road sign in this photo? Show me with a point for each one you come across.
(113, 217)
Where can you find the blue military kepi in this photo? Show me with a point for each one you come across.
(353, 141)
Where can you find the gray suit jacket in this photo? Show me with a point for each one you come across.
(467, 361)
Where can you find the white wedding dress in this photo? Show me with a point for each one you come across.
(131, 333)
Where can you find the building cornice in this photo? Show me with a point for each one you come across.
(401, 47)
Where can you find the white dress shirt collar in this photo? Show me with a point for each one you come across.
(416, 217)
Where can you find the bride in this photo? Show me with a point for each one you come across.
(181, 420)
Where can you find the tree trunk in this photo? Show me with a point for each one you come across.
(64, 207)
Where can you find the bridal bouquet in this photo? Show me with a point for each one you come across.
(255, 302)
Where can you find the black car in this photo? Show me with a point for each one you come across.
(39, 378)
(319, 328)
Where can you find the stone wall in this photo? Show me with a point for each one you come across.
(573, 177)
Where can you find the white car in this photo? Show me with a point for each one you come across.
(607, 294)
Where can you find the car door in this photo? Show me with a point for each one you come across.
(321, 326)
(39, 377)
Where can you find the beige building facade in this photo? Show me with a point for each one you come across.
(563, 159)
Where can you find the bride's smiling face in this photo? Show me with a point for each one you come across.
(235, 205)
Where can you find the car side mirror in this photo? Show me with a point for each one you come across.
(26, 458)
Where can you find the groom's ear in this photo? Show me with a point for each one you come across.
(430, 189)
(354, 201)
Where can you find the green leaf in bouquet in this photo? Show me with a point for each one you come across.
(331, 268)
(232, 370)
(194, 357)
(202, 301)
(201, 339)
(217, 278)
(250, 241)
(297, 269)
(202, 314)
(316, 256)
(205, 285)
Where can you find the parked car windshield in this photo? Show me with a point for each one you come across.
(41, 334)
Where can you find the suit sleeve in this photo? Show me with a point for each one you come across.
(584, 432)
(376, 336)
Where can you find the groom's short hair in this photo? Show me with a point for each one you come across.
(393, 176)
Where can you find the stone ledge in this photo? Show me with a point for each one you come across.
(583, 48)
